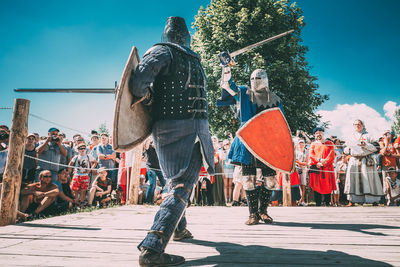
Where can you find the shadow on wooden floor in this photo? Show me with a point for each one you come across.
(255, 255)
(360, 228)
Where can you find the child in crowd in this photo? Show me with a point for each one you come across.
(101, 188)
(82, 164)
(393, 187)
(142, 188)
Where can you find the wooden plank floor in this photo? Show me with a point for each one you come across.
(300, 236)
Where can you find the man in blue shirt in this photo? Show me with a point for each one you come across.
(106, 157)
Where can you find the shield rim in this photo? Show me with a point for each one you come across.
(116, 146)
(255, 154)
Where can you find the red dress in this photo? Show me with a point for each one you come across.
(294, 179)
(324, 181)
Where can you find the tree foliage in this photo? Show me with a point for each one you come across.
(396, 122)
(103, 128)
(228, 25)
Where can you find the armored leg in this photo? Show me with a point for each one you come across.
(173, 207)
(264, 197)
(252, 199)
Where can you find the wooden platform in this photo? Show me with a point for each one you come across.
(300, 236)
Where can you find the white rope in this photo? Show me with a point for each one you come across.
(58, 124)
(111, 169)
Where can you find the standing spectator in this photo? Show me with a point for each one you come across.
(153, 169)
(29, 167)
(37, 139)
(218, 180)
(277, 194)
(322, 177)
(64, 160)
(38, 198)
(301, 167)
(389, 154)
(101, 188)
(341, 168)
(65, 199)
(82, 164)
(106, 158)
(393, 187)
(363, 184)
(94, 141)
(122, 177)
(228, 170)
(50, 150)
(4, 136)
(238, 190)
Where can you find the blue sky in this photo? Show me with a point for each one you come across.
(57, 44)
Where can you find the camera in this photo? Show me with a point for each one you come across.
(4, 135)
(55, 138)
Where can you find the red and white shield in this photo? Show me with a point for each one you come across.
(267, 136)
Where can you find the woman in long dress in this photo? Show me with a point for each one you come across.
(363, 184)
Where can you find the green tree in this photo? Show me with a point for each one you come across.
(103, 128)
(228, 25)
(396, 122)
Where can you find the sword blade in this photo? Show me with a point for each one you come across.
(67, 90)
(248, 48)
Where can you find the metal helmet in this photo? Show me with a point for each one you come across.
(259, 80)
(176, 32)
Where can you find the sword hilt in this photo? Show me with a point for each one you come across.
(225, 59)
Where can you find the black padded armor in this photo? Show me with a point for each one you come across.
(182, 93)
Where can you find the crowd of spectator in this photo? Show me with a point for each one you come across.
(61, 174)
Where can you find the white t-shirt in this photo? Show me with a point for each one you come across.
(81, 163)
(394, 187)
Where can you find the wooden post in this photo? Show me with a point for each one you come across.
(135, 174)
(13, 170)
(286, 190)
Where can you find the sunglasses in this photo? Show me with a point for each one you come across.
(82, 148)
(46, 176)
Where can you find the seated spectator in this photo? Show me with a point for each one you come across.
(82, 164)
(393, 187)
(101, 188)
(51, 150)
(38, 198)
(29, 167)
(65, 199)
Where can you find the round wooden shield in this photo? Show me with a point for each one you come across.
(131, 126)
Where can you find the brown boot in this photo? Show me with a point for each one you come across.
(253, 219)
(150, 258)
(180, 235)
(266, 218)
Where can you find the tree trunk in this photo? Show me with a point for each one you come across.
(135, 174)
(286, 190)
(13, 170)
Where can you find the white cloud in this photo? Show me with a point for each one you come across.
(342, 117)
(390, 107)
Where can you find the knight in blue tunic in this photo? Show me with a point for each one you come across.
(257, 176)
(171, 80)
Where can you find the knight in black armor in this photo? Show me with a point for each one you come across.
(258, 178)
(170, 79)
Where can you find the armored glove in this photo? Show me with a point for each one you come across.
(225, 78)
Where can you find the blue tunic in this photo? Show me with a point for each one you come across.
(238, 152)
